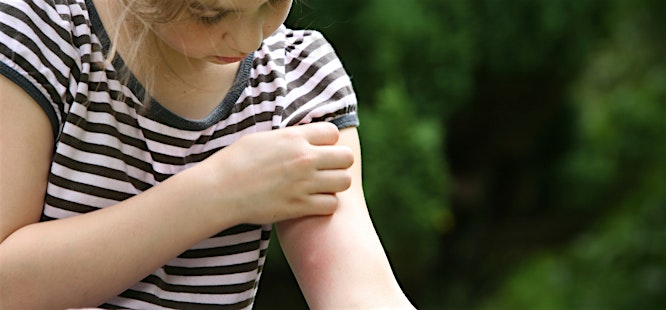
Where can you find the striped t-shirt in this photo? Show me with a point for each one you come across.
(108, 148)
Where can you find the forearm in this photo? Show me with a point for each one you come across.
(87, 259)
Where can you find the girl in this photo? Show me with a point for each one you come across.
(147, 146)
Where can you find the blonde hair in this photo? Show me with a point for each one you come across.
(137, 21)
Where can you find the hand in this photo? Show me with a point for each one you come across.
(282, 174)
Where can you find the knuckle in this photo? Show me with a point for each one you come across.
(304, 159)
(289, 134)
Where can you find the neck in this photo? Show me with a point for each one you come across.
(167, 75)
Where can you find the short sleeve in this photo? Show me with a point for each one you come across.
(316, 85)
(39, 52)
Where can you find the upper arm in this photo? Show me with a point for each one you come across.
(26, 146)
(338, 260)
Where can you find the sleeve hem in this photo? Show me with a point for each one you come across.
(36, 95)
(347, 120)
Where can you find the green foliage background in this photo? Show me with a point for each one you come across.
(513, 150)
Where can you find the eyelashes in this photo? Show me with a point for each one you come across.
(205, 14)
(212, 20)
(208, 16)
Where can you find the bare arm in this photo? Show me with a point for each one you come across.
(99, 254)
(338, 260)
(71, 255)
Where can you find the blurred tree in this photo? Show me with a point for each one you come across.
(616, 165)
(505, 143)
(493, 130)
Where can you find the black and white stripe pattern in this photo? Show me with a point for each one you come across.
(109, 148)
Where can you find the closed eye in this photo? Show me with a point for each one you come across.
(212, 20)
(207, 15)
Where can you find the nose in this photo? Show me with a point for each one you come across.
(245, 34)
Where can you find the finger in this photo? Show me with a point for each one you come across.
(333, 157)
(320, 133)
(329, 182)
(323, 204)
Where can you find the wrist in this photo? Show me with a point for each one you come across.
(203, 190)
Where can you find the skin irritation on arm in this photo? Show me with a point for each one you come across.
(335, 258)
(338, 260)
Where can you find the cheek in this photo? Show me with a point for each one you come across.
(274, 22)
(268, 30)
(182, 39)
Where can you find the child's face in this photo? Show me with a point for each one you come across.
(225, 32)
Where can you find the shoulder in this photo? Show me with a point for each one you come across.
(42, 47)
(39, 26)
(298, 50)
(302, 68)
(42, 32)
(290, 40)
(63, 14)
